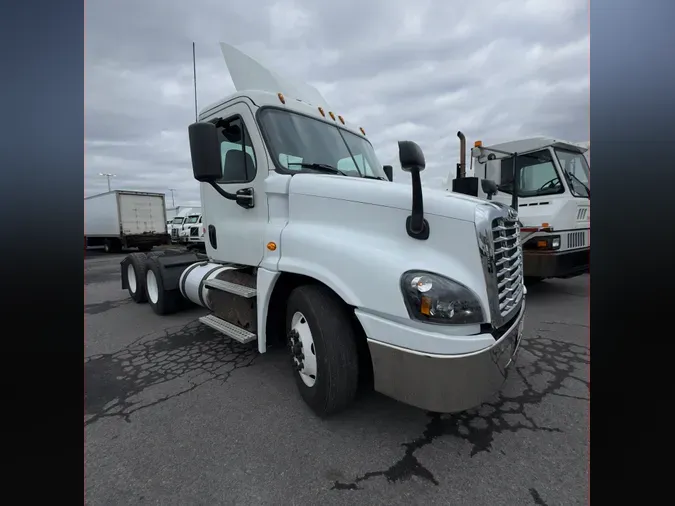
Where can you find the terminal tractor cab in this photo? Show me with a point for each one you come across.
(547, 183)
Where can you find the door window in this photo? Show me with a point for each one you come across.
(238, 159)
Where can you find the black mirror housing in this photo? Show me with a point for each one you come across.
(389, 172)
(411, 157)
(205, 152)
(489, 187)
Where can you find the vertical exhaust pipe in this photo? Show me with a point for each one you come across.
(461, 166)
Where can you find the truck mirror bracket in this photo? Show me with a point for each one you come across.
(243, 197)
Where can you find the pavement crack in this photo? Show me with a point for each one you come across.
(175, 362)
(554, 364)
(102, 307)
(537, 498)
(568, 324)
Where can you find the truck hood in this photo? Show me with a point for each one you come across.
(384, 193)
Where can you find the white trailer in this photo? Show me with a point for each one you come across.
(310, 245)
(125, 219)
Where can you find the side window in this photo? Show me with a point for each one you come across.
(236, 151)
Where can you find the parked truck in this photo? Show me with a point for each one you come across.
(548, 182)
(309, 244)
(125, 219)
(196, 234)
(179, 224)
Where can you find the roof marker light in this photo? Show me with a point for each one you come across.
(342, 120)
(362, 130)
(330, 113)
(321, 111)
(281, 98)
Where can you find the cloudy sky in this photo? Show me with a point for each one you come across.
(497, 70)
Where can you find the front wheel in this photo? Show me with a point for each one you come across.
(323, 348)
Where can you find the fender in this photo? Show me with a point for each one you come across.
(364, 267)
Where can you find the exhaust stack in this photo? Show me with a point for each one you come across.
(461, 166)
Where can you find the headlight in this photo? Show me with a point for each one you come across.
(435, 299)
(543, 243)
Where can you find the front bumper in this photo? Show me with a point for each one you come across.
(443, 383)
(558, 264)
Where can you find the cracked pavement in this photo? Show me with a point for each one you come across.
(177, 414)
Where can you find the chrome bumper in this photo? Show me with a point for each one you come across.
(445, 383)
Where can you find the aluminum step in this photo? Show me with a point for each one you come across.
(233, 288)
(227, 328)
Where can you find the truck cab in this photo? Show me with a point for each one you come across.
(309, 245)
(191, 220)
(196, 234)
(553, 200)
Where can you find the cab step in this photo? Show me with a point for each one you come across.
(233, 288)
(237, 333)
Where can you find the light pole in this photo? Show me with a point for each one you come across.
(108, 176)
(173, 202)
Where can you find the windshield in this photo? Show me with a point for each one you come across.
(537, 175)
(192, 219)
(293, 139)
(178, 221)
(576, 171)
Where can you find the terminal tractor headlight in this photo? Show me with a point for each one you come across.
(436, 299)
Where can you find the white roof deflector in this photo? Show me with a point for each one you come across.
(248, 75)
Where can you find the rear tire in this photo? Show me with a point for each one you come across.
(327, 338)
(162, 301)
(112, 246)
(135, 273)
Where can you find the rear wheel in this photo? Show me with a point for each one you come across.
(323, 348)
(161, 301)
(112, 246)
(135, 273)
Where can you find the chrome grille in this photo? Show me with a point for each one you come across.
(174, 232)
(501, 256)
(576, 240)
(509, 264)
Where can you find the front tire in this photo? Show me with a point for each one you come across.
(162, 301)
(322, 341)
(136, 273)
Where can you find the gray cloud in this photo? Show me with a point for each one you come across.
(497, 70)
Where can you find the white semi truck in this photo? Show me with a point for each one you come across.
(125, 219)
(551, 193)
(179, 223)
(309, 244)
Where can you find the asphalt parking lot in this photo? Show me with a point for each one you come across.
(177, 414)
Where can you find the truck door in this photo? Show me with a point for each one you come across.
(233, 233)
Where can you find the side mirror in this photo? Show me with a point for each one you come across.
(411, 157)
(489, 187)
(389, 171)
(412, 160)
(205, 152)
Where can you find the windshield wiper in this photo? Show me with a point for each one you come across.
(366, 176)
(319, 166)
